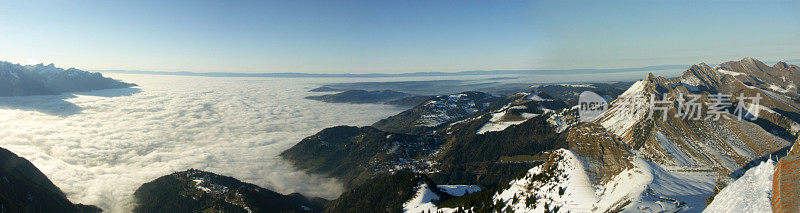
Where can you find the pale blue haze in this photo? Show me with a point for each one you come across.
(393, 36)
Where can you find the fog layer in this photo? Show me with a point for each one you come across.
(98, 147)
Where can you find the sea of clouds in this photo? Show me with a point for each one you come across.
(100, 146)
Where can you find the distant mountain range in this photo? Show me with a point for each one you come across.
(40, 79)
(412, 74)
(389, 97)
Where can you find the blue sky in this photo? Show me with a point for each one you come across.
(392, 36)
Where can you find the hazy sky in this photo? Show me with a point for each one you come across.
(392, 36)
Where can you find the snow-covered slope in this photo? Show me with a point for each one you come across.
(619, 120)
(560, 184)
(524, 106)
(422, 201)
(502, 119)
(750, 193)
(563, 183)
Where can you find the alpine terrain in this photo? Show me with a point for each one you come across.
(528, 151)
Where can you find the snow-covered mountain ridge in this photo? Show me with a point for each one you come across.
(40, 79)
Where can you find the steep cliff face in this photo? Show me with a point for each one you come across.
(603, 154)
(23, 188)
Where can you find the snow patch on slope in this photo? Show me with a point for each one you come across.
(536, 97)
(777, 88)
(496, 123)
(557, 121)
(459, 190)
(750, 193)
(726, 72)
(422, 201)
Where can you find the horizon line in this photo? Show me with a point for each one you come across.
(417, 74)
